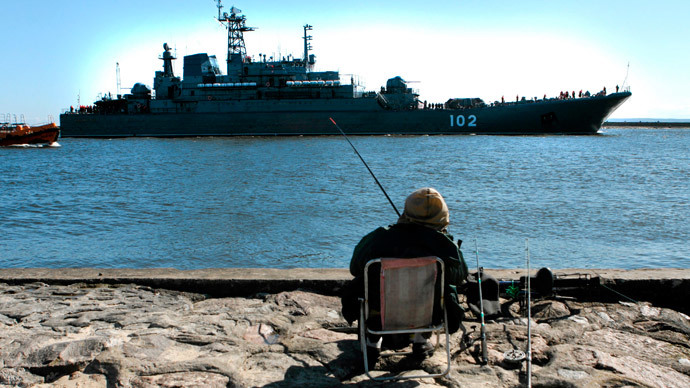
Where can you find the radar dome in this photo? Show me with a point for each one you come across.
(140, 89)
(396, 84)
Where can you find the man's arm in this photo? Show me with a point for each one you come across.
(456, 267)
(362, 254)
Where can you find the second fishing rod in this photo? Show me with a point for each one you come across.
(485, 354)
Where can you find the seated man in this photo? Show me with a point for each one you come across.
(420, 231)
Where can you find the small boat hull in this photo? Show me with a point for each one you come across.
(24, 134)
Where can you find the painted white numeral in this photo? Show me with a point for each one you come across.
(460, 121)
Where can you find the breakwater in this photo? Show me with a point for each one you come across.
(664, 287)
(162, 328)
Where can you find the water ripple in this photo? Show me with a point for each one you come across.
(620, 200)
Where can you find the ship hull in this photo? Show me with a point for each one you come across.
(571, 116)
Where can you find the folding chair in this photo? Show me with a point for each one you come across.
(408, 290)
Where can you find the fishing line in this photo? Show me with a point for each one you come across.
(618, 293)
(366, 165)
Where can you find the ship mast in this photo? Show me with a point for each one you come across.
(307, 45)
(117, 76)
(167, 58)
(236, 27)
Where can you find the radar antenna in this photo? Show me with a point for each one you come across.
(235, 24)
(167, 58)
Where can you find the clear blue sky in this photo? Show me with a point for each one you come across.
(56, 51)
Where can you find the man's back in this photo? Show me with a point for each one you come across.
(406, 241)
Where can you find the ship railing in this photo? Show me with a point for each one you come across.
(319, 83)
(11, 119)
(227, 85)
(68, 111)
(329, 83)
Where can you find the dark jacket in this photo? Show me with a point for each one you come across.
(407, 241)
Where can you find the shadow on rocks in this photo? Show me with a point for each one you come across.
(330, 374)
(344, 371)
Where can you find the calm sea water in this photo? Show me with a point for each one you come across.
(619, 200)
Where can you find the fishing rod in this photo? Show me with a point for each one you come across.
(529, 320)
(367, 166)
(485, 356)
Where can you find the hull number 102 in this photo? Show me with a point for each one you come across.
(460, 121)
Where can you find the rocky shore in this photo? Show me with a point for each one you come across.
(283, 328)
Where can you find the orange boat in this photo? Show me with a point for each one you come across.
(13, 134)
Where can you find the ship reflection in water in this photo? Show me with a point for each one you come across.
(285, 96)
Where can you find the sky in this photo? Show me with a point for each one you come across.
(57, 54)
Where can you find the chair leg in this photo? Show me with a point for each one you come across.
(370, 354)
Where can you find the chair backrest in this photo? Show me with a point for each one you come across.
(407, 292)
(411, 296)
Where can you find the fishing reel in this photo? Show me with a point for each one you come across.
(546, 284)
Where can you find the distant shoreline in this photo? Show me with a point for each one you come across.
(652, 124)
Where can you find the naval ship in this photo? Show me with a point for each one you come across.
(286, 96)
